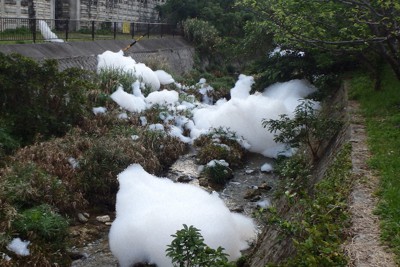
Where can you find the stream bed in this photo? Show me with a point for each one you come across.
(248, 190)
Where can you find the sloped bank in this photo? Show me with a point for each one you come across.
(175, 51)
(276, 244)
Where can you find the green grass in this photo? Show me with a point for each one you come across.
(382, 113)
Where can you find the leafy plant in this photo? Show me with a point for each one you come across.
(38, 101)
(220, 144)
(188, 249)
(318, 226)
(44, 223)
(309, 127)
(218, 172)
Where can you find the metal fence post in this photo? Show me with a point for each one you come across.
(148, 30)
(92, 30)
(66, 29)
(34, 30)
(133, 30)
(161, 29)
(115, 30)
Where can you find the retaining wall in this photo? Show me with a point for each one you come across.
(175, 51)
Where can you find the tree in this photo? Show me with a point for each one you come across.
(308, 127)
(366, 28)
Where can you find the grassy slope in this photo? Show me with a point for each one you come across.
(382, 112)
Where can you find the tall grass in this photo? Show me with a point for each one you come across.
(382, 113)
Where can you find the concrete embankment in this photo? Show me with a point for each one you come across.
(175, 51)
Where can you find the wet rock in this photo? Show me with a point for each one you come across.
(103, 219)
(252, 194)
(265, 186)
(249, 171)
(184, 179)
(82, 218)
(238, 209)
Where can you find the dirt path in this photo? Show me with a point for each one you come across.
(364, 247)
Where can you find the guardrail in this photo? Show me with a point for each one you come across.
(41, 30)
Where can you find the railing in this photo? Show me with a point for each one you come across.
(40, 30)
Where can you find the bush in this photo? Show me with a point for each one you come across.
(188, 249)
(42, 223)
(220, 144)
(25, 185)
(111, 78)
(218, 172)
(37, 100)
(104, 160)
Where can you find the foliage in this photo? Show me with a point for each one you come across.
(25, 185)
(381, 111)
(188, 249)
(308, 127)
(38, 99)
(203, 34)
(362, 28)
(223, 14)
(42, 223)
(218, 172)
(297, 173)
(288, 64)
(220, 144)
(104, 160)
(111, 78)
(166, 148)
(318, 228)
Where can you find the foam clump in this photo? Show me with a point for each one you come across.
(128, 101)
(19, 247)
(111, 60)
(150, 209)
(244, 113)
(164, 77)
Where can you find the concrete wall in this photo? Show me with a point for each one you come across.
(176, 52)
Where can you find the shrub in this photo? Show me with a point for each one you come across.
(42, 223)
(308, 127)
(188, 249)
(111, 78)
(165, 147)
(220, 144)
(104, 160)
(218, 172)
(39, 101)
(26, 185)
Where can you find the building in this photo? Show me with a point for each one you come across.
(102, 10)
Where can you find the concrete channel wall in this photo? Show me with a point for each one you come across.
(174, 51)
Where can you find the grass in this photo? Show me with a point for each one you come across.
(381, 110)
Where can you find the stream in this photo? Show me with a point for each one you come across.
(247, 191)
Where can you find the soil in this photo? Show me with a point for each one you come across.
(364, 247)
